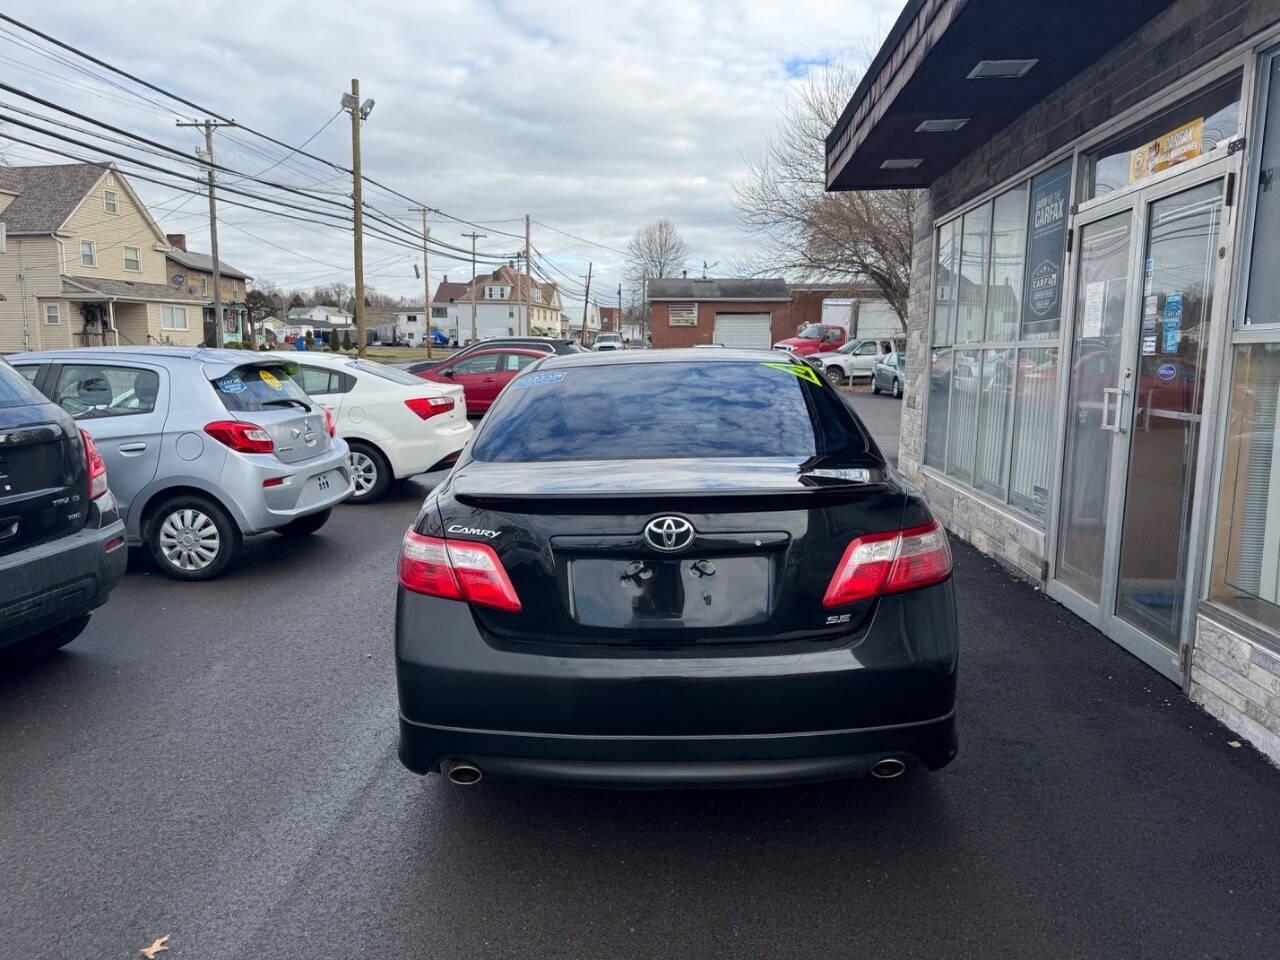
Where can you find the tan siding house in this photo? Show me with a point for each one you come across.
(82, 262)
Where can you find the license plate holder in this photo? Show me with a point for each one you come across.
(665, 594)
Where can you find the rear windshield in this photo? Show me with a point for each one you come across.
(386, 373)
(655, 410)
(14, 389)
(251, 387)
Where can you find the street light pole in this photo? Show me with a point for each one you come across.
(359, 112)
(211, 338)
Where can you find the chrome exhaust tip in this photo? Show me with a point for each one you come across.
(463, 774)
(888, 768)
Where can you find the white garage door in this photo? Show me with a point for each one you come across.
(743, 330)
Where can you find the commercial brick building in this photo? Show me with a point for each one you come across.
(1093, 348)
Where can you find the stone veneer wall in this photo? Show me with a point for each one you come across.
(1237, 681)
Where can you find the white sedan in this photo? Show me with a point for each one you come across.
(397, 425)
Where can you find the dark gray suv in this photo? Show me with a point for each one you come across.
(62, 542)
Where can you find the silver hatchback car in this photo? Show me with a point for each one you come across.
(203, 447)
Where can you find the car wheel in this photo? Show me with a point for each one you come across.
(897, 389)
(192, 538)
(305, 526)
(370, 472)
(875, 384)
(834, 374)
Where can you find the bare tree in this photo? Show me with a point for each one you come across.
(802, 230)
(656, 251)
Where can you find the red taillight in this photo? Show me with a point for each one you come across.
(241, 436)
(328, 421)
(95, 465)
(880, 563)
(426, 407)
(456, 570)
(273, 482)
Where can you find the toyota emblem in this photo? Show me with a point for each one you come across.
(668, 534)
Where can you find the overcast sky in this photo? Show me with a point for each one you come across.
(595, 118)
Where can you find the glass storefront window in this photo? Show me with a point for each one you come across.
(935, 441)
(948, 244)
(996, 389)
(998, 276)
(1262, 304)
(1008, 253)
(1246, 559)
(1187, 130)
(975, 248)
(1033, 408)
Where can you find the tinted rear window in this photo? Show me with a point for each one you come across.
(15, 391)
(655, 410)
(251, 387)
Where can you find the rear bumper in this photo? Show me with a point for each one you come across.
(421, 449)
(261, 508)
(666, 762)
(670, 719)
(57, 581)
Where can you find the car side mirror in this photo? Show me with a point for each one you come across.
(446, 372)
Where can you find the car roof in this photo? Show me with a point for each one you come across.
(203, 354)
(310, 356)
(669, 355)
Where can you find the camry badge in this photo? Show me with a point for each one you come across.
(668, 534)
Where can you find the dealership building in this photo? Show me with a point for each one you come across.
(1093, 351)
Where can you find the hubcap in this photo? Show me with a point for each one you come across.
(189, 539)
(364, 472)
(833, 374)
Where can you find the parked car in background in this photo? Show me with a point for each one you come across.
(62, 542)
(679, 568)
(540, 344)
(608, 341)
(396, 425)
(204, 447)
(483, 373)
(853, 361)
(815, 338)
(888, 374)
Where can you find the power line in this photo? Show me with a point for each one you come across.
(602, 246)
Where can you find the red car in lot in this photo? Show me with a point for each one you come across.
(483, 373)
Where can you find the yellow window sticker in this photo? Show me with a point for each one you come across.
(801, 370)
(269, 378)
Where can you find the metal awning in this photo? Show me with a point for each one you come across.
(925, 74)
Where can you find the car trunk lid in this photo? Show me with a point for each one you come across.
(43, 481)
(691, 553)
(262, 392)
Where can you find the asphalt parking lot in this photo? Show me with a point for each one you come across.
(216, 762)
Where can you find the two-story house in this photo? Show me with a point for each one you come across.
(82, 262)
(193, 273)
(505, 305)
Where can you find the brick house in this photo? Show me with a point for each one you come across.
(192, 273)
(686, 312)
(1093, 343)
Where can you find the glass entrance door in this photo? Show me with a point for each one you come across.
(1179, 279)
(1146, 275)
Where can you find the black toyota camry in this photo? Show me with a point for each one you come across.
(674, 568)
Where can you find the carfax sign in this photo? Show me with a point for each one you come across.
(1046, 246)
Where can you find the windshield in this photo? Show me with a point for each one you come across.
(849, 347)
(812, 332)
(394, 374)
(250, 387)
(656, 410)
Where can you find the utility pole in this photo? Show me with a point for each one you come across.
(211, 336)
(586, 302)
(528, 282)
(426, 277)
(619, 330)
(359, 112)
(474, 237)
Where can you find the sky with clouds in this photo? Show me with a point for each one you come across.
(595, 118)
